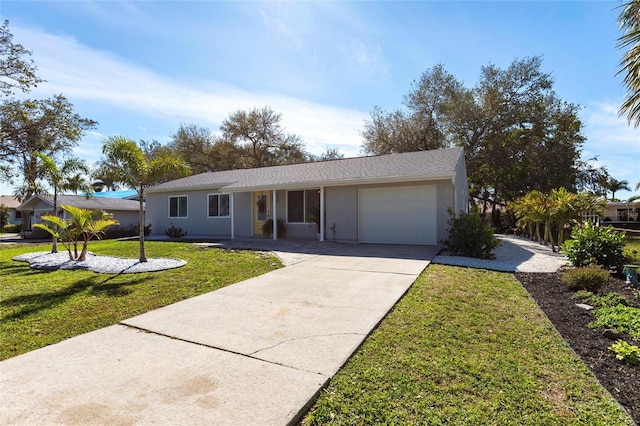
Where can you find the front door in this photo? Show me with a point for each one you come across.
(261, 211)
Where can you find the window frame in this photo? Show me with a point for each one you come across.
(186, 216)
(218, 195)
(305, 215)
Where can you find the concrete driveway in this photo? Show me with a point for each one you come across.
(256, 352)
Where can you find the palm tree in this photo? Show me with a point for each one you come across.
(78, 183)
(83, 224)
(629, 21)
(124, 162)
(58, 178)
(615, 185)
(563, 210)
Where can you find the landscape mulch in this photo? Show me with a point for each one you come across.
(572, 322)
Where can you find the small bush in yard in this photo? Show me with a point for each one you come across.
(470, 236)
(600, 301)
(595, 245)
(589, 279)
(621, 318)
(626, 352)
(175, 232)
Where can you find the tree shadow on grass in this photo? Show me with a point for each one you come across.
(28, 304)
(18, 269)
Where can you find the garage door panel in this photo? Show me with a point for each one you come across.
(399, 215)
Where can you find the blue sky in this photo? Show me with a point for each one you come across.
(142, 68)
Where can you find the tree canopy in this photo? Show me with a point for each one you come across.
(48, 126)
(248, 138)
(261, 139)
(629, 21)
(518, 135)
(17, 70)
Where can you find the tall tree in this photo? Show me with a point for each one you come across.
(124, 162)
(629, 21)
(615, 185)
(29, 127)
(261, 139)
(419, 126)
(58, 178)
(518, 135)
(328, 155)
(203, 151)
(17, 70)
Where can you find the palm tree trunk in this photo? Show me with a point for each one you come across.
(54, 239)
(83, 253)
(143, 255)
(549, 235)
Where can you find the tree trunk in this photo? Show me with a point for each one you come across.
(549, 235)
(83, 253)
(54, 239)
(143, 255)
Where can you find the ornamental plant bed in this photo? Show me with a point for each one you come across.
(572, 322)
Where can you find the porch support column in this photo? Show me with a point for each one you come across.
(274, 215)
(322, 213)
(233, 231)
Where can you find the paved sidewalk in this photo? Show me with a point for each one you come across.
(514, 254)
(254, 353)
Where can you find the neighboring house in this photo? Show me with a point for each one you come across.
(125, 211)
(387, 199)
(12, 203)
(130, 194)
(621, 212)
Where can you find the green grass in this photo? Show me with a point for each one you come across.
(465, 347)
(39, 308)
(633, 243)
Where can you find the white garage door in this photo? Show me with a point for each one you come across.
(401, 215)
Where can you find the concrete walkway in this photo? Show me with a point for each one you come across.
(254, 353)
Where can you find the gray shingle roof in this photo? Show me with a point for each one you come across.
(9, 201)
(432, 164)
(94, 203)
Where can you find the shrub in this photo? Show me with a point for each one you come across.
(595, 245)
(4, 216)
(470, 236)
(620, 318)
(267, 227)
(626, 352)
(11, 229)
(600, 301)
(175, 232)
(126, 231)
(589, 279)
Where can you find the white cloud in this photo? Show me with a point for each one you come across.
(103, 79)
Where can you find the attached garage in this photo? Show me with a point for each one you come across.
(398, 215)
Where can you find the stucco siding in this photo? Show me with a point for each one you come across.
(196, 221)
(127, 219)
(341, 208)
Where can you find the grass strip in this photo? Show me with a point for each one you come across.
(39, 308)
(465, 346)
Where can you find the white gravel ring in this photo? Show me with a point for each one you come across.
(100, 264)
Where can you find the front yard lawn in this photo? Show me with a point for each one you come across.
(465, 346)
(39, 308)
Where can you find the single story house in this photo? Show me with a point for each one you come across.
(12, 204)
(621, 211)
(125, 211)
(128, 194)
(386, 199)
